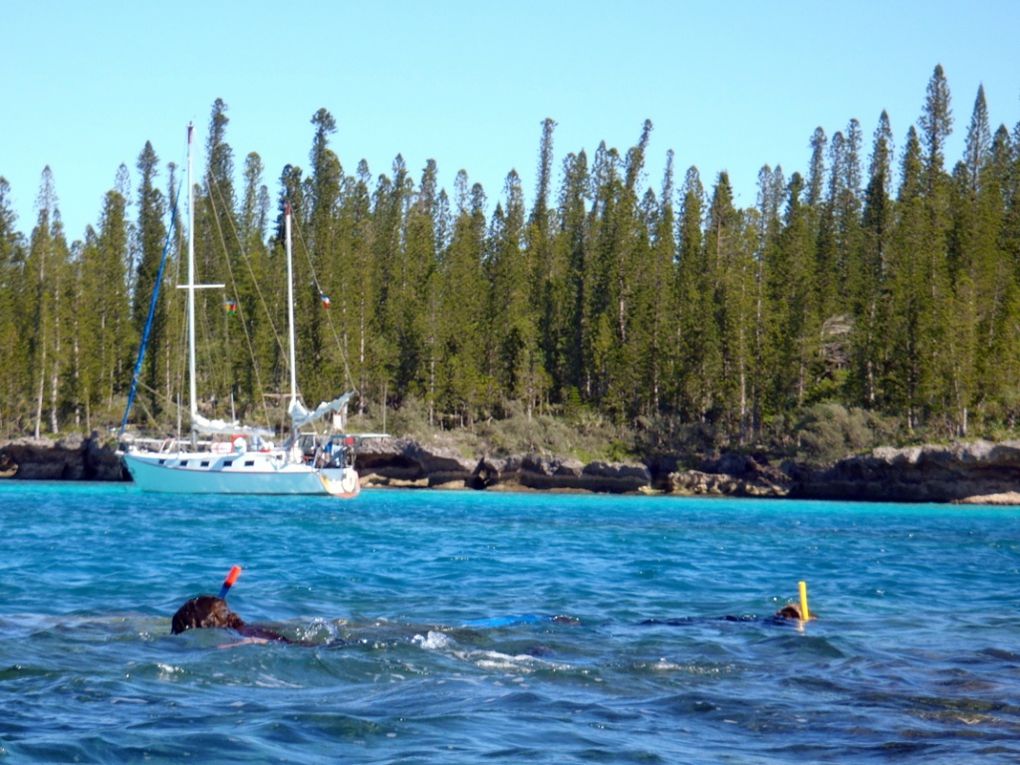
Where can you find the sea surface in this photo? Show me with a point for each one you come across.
(424, 630)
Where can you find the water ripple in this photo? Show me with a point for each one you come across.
(670, 655)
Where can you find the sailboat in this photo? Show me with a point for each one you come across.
(247, 462)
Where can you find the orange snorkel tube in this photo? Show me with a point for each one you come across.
(235, 571)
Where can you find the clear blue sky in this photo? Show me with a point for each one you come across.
(727, 85)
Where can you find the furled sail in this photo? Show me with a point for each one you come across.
(213, 427)
(302, 416)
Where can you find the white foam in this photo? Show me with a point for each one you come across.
(433, 641)
(167, 671)
(521, 662)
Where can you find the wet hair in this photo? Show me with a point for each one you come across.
(205, 611)
(790, 611)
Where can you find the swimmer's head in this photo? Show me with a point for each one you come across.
(203, 612)
(790, 611)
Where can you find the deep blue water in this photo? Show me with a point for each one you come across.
(915, 656)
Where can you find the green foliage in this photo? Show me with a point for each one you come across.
(586, 436)
(608, 319)
(828, 432)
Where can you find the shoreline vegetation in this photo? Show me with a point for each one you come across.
(866, 302)
(514, 458)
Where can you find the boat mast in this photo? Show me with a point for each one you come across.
(191, 293)
(290, 313)
(191, 287)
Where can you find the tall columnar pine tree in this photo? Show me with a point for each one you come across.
(360, 333)
(547, 261)
(597, 320)
(630, 392)
(983, 270)
(791, 288)
(105, 333)
(387, 206)
(697, 332)
(657, 312)
(512, 321)
(908, 334)
(260, 282)
(816, 169)
(461, 303)
(14, 379)
(942, 383)
(568, 285)
(839, 258)
(870, 277)
(829, 251)
(1010, 235)
(999, 371)
(323, 355)
(730, 247)
(224, 337)
(631, 380)
(416, 254)
(431, 324)
(606, 299)
(617, 237)
(150, 234)
(47, 305)
(771, 188)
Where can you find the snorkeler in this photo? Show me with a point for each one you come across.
(791, 611)
(212, 612)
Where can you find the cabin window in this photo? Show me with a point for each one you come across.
(249, 463)
(205, 463)
(184, 463)
(162, 462)
(227, 463)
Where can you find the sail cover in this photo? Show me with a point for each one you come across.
(302, 416)
(212, 427)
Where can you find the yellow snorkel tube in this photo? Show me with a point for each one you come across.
(805, 613)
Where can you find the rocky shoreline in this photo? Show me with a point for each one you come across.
(978, 472)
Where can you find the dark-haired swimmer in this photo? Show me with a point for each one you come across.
(210, 612)
(791, 611)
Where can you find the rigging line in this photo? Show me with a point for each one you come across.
(151, 316)
(255, 282)
(237, 298)
(180, 371)
(251, 272)
(218, 378)
(329, 318)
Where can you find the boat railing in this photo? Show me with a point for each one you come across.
(171, 444)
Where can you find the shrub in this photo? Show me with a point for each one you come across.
(829, 432)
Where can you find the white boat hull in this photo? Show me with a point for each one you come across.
(236, 473)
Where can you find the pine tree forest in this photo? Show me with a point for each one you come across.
(884, 279)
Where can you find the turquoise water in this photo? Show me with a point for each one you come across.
(915, 656)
